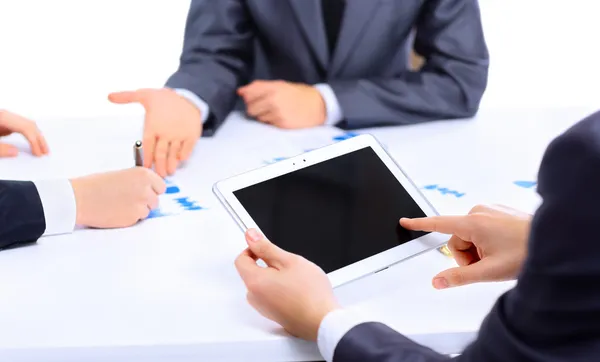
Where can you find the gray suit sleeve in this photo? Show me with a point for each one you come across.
(451, 83)
(217, 55)
(376, 342)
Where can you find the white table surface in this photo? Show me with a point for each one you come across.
(166, 289)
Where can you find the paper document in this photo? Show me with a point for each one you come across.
(174, 202)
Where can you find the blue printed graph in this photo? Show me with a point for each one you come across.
(188, 204)
(444, 190)
(525, 184)
(345, 136)
(173, 202)
(172, 189)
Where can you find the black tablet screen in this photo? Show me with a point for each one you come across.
(336, 212)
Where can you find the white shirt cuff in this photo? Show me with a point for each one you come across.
(195, 100)
(332, 106)
(333, 327)
(58, 201)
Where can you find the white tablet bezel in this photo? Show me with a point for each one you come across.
(224, 191)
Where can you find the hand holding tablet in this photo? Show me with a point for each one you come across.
(283, 290)
(489, 245)
(338, 206)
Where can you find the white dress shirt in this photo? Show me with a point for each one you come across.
(332, 105)
(333, 327)
(58, 201)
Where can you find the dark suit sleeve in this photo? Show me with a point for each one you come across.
(217, 55)
(450, 85)
(22, 219)
(376, 342)
(553, 314)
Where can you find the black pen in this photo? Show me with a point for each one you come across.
(138, 154)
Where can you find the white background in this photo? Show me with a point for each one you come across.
(62, 57)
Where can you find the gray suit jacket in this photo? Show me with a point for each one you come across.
(369, 70)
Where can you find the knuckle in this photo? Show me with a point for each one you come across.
(476, 218)
(144, 212)
(251, 298)
(483, 221)
(140, 172)
(255, 285)
(479, 208)
(457, 277)
(163, 184)
(452, 243)
(151, 195)
(294, 259)
(473, 225)
(141, 197)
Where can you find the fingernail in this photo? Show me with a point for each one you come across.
(254, 235)
(440, 283)
(12, 152)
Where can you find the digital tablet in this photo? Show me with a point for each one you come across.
(338, 206)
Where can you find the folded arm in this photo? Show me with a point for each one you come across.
(449, 85)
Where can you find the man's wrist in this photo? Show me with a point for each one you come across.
(333, 109)
(319, 316)
(333, 328)
(196, 101)
(77, 185)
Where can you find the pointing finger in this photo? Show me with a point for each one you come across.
(125, 97)
(440, 224)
